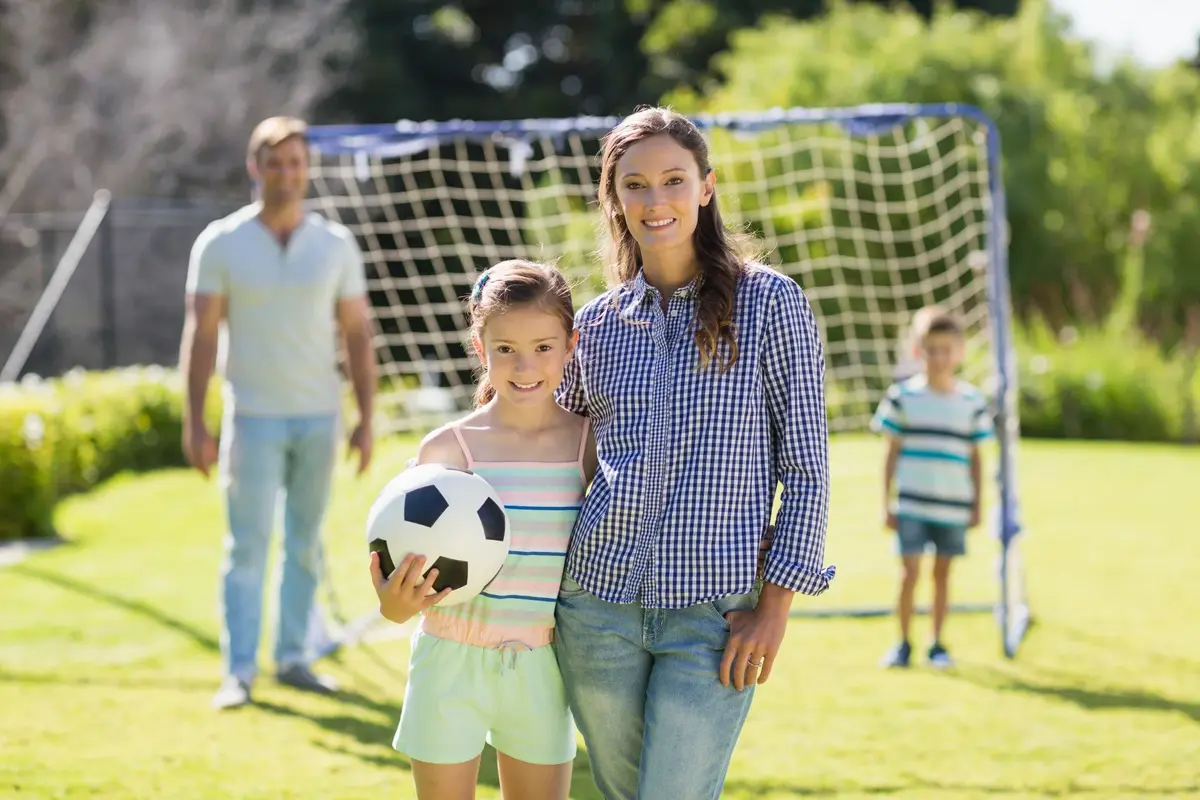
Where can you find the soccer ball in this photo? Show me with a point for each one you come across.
(451, 516)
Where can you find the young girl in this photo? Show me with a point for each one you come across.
(485, 670)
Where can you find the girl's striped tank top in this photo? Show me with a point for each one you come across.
(542, 500)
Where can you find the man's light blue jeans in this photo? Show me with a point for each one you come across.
(260, 458)
(643, 686)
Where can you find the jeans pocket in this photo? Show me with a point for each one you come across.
(714, 612)
(569, 587)
(718, 608)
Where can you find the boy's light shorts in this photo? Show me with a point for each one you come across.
(915, 536)
(461, 695)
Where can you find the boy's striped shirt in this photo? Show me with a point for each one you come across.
(938, 433)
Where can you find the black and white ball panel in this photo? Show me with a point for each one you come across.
(451, 516)
(386, 565)
(494, 521)
(424, 505)
(451, 572)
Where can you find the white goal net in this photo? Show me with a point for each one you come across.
(875, 212)
(873, 226)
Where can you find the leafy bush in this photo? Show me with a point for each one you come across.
(66, 435)
(69, 434)
(1101, 385)
(26, 466)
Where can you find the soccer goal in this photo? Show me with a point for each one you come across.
(876, 211)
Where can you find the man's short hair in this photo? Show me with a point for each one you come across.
(274, 131)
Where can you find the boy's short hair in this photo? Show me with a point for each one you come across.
(942, 322)
(272, 132)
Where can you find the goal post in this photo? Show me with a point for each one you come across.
(877, 211)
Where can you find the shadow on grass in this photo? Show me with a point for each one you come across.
(138, 607)
(372, 730)
(1065, 687)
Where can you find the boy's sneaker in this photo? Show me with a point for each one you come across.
(939, 658)
(898, 656)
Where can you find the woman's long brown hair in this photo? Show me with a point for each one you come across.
(721, 253)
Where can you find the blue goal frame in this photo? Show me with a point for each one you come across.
(407, 136)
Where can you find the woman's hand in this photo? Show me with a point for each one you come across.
(754, 639)
(406, 593)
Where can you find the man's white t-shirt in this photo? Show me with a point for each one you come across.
(278, 351)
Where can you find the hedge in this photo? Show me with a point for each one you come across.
(1100, 385)
(69, 434)
(66, 435)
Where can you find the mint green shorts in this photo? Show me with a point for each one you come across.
(460, 696)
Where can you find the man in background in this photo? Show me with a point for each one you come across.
(278, 282)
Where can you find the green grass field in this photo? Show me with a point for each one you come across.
(108, 656)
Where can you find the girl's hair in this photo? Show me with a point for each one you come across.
(721, 253)
(514, 284)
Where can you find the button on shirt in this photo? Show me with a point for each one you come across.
(279, 351)
(690, 458)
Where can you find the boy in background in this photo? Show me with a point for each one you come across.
(934, 424)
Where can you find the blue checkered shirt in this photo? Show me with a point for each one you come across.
(690, 459)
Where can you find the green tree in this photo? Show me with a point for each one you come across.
(488, 59)
(1082, 149)
(682, 36)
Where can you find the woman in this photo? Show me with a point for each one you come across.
(702, 373)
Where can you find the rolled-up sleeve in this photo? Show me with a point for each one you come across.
(794, 379)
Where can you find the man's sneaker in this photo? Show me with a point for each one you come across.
(234, 693)
(898, 656)
(939, 658)
(298, 676)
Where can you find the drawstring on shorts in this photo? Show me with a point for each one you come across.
(508, 653)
